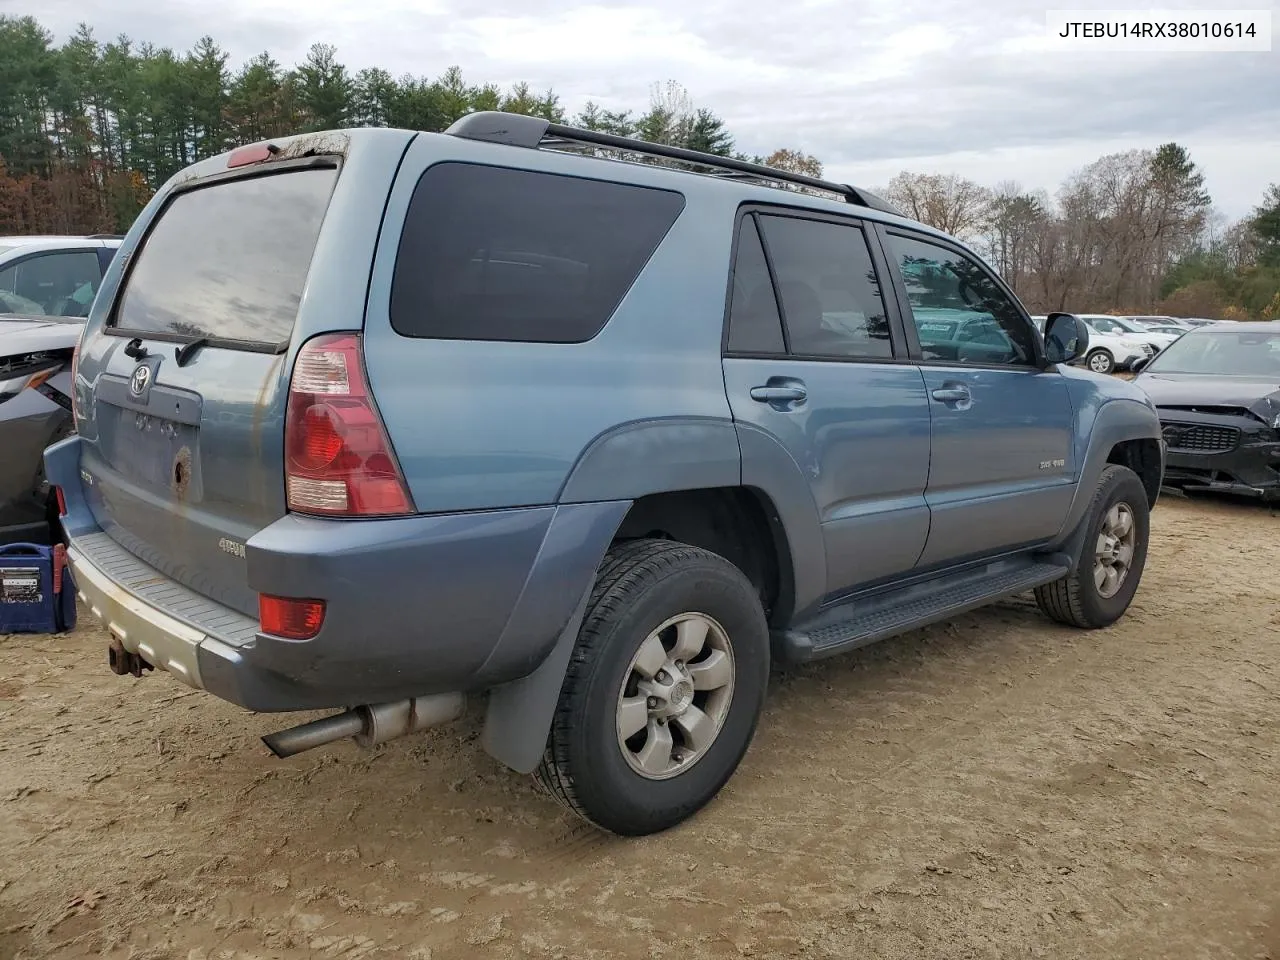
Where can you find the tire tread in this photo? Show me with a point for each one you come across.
(628, 567)
(1061, 600)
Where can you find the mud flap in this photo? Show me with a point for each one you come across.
(518, 718)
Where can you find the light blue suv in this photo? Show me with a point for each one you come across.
(377, 420)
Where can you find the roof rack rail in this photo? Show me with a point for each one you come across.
(519, 130)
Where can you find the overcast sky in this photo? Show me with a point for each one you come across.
(964, 86)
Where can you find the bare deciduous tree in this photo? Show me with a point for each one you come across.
(944, 201)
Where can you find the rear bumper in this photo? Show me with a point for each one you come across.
(414, 606)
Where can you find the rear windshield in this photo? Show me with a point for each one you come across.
(489, 253)
(229, 261)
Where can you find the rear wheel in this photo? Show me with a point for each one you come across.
(1112, 556)
(664, 689)
(1101, 361)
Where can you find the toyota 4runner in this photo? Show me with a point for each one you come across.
(374, 420)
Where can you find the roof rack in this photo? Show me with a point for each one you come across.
(519, 130)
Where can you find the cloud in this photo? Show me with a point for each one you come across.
(970, 87)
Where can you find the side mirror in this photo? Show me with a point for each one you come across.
(1139, 364)
(1066, 338)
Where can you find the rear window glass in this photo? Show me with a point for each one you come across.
(490, 253)
(229, 261)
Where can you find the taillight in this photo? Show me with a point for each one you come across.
(338, 460)
(62, 501)
(290, 618)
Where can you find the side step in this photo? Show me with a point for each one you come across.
(866, 619)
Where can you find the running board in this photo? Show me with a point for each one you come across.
(863, 620)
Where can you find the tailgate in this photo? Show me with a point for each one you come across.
(183, 427)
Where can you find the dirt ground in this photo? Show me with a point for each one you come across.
(996, 786)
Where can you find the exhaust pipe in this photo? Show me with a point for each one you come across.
(368, 725)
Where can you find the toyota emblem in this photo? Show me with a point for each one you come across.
(141, 377)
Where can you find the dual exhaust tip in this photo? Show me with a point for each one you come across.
(370, 724)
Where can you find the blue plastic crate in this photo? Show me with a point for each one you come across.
(37, 594)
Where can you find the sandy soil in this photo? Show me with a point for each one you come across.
(993, 787)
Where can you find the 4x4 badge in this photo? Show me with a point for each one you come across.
(141, 377)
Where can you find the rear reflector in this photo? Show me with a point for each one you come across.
(338, 459)
(289, 618)
(62, 501)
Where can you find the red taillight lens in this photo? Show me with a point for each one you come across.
(62, 501)
(338, 460)
(289, 618)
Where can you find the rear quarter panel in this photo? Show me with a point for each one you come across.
(484, 424)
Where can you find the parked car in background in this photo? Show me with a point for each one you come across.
(52, 276)
(1217, 391)
(1123, 327)
(35, 411)
(47, 285)
(1170, 329)
(1108, 352)
(1159, 323)
(375, 420)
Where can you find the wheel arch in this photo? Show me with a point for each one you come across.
(722, 486)
(1125, 432)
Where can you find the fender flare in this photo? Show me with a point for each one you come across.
(1117, 420)
(642, 457)
(628, 462)
(767, 466)
(618, 467)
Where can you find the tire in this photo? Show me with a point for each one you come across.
(642, 585)
(1100, 361)
(1077, 599)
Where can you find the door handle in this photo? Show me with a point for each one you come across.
(951, 394)
(791, 393)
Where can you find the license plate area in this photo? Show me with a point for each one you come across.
(157, 453)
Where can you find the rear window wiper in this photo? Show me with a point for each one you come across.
(188, 350)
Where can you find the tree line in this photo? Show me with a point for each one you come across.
(90, 129)
(1132, 232)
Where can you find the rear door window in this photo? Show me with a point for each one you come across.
(491, 253)
(229, 260)
(755, 325)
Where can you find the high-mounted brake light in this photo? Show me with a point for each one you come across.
(256, 153)
(338, 459)
(290, 618)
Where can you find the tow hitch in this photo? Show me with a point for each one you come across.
(122, 661)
